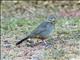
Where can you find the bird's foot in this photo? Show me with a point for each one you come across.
(47, 45)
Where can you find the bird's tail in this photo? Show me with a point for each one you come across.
(22, 40)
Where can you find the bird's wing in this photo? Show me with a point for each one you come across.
(40, 28)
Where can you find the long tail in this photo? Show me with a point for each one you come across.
(22, 40)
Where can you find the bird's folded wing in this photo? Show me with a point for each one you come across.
(41, 28)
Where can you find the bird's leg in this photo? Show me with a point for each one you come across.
(44, 42)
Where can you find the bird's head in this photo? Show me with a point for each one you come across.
(51, 18)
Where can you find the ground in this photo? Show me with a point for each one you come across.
(64, 41)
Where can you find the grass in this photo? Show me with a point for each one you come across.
(67, 31)
(21, 25)
(27, 25)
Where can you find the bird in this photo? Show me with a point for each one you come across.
(43, 31)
